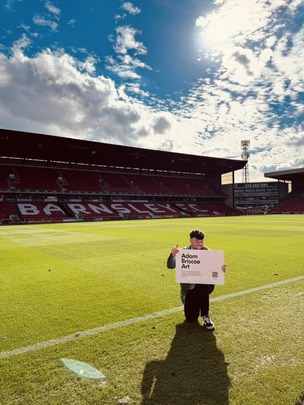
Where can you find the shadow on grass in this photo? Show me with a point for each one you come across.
(194, 372)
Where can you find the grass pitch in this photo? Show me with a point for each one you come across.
(61, 280)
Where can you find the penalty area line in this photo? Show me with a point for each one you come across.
(106, 328)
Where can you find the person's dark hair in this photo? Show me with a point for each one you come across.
(197, 233)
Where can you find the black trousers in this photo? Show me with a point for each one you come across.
(197, 301)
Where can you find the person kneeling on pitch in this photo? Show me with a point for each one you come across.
(195, 297)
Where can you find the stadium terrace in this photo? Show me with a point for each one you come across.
(46, 178)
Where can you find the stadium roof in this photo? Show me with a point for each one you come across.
(55, 149)
(291, 175)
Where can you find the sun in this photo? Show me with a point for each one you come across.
(219, 28)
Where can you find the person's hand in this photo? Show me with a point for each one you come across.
(174, 250)
(224, 268)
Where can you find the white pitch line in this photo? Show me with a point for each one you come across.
(105, 328)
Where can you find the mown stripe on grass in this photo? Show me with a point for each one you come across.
(105, 328)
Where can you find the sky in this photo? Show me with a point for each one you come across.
(187, 76)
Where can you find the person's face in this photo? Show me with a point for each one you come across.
(196, 243)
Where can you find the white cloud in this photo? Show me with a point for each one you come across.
(130, 8)
(10, 3)
(123, 70)
(128, 49)
(55, 93)
(51, 19)
(42, 21)
(52, 9)
(125, 41)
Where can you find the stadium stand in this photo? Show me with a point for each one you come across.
(148, 185)
(293, 203)
(8, 213)
(46, 178)
(80, 181)
(6, 178)
(33, 178)
(38, 211)
(118, 183)
(207, 209)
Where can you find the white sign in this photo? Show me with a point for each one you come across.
(200, 266)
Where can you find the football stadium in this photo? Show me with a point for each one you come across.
(90, 312)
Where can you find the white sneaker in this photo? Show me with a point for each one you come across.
(208, 323)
